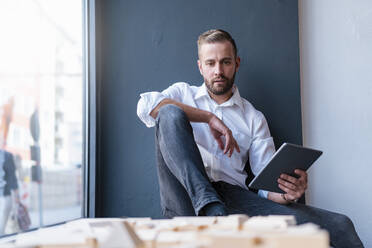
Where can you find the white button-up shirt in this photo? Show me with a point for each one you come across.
(248, 125)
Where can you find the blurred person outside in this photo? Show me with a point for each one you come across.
(8, 187)
(8, 179)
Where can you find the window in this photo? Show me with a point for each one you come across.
(41, 112)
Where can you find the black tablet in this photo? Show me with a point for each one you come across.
(286, 159)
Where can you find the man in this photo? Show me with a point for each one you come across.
(204, 137)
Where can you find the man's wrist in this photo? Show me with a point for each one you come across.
(209, 116)
(285, 198)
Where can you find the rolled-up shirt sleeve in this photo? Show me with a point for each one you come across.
(262, 147)
(146, 104)
(263, 193)
(150, 100)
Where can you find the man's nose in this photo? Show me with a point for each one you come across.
(218, 69)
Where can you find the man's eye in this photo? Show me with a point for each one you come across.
(227, 62)
(209, 63)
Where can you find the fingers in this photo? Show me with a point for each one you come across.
(230, 145)
(294, 187)
(288, 178)
(302, 174)
(302, 180)
(237, 146)
(287, 190)
(220, 143)
(219, 129)
(227, 144)
(291, 195)
(287, 184)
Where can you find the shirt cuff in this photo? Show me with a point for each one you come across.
(146, 104)
(263, 193)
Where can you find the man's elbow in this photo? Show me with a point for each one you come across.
(155, 111)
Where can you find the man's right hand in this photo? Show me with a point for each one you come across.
(219, 129)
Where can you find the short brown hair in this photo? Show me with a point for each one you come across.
(216, 35)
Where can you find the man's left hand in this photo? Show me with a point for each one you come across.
(294, 187)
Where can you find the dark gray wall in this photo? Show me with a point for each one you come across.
(148, 45)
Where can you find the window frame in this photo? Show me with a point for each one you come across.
(91, 73)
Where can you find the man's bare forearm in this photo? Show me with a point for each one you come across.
(193, 114)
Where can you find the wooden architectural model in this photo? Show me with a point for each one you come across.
(197, 232)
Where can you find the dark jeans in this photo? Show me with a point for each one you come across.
(185, 188)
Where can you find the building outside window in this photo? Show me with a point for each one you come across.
(41, 112)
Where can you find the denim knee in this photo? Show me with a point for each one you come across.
(343, 222)
(171, 113)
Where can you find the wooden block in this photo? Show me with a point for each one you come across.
(164, 224)
(57, 236)
(197, 220)
(269, 223)
(132, 237)
(289, 219)
(172, 239)
(89, 243)
(116, 234)
(192, 223)
(222, 239)
(304, 236)
(294, 237)
(232, 222)
(206, 232)
(138, 221)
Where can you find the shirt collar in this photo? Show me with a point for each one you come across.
(202, 91)
(235, 99)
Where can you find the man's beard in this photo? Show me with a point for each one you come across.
(220, 90)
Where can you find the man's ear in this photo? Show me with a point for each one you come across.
(237, 61)
(200, 67)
